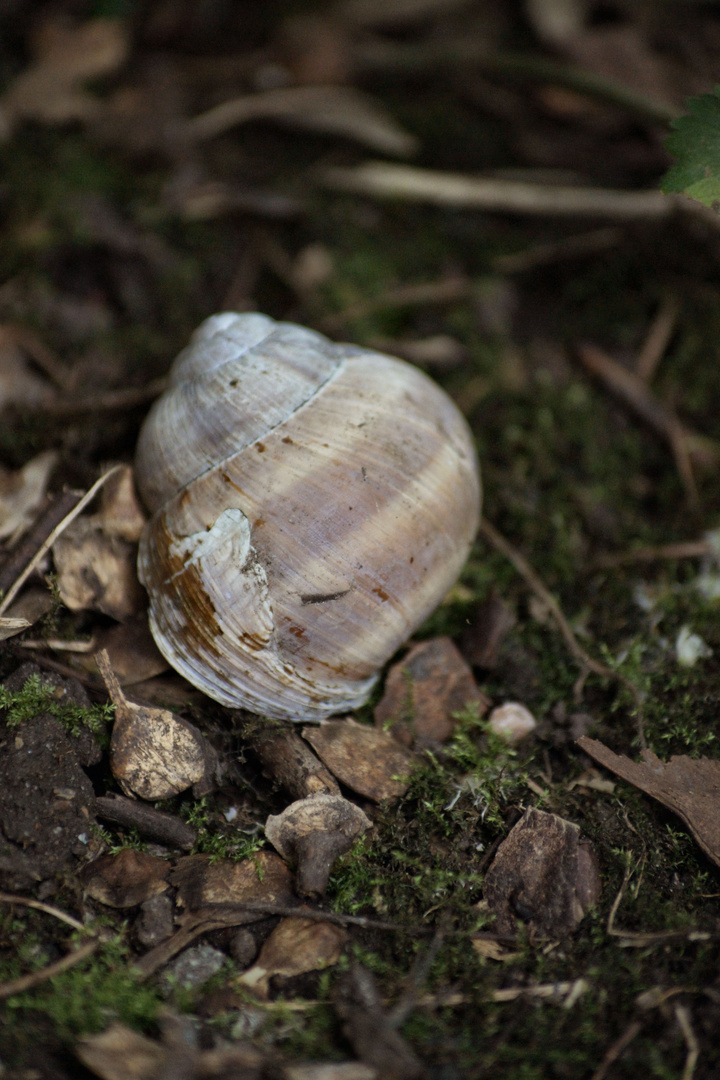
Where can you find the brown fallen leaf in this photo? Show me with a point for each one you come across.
(22, 492)
(365, 759)
(120, 512)
(125, 879)
(119, 1053)
(424, 690)
(295, 946)
(214, 892)
(65, 57)
(312, 833)
(134, 656)
(542, 874)
(96, 571)
(689, 787)
(153, 753)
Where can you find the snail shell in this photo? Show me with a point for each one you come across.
(312, 503)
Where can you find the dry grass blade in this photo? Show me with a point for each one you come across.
(27, 982)
(385, 180)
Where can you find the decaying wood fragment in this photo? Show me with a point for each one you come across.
(543, 875)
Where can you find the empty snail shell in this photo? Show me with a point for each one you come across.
(312, 503)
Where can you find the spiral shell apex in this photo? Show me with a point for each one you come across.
(312, 503)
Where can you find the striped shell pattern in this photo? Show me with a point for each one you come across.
(311, 505)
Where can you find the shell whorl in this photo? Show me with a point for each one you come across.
(332, 506)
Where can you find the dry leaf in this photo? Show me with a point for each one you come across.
(332, 110)
(134, 656)
(490, 949)
(22, 493)
(365, 759)
(50, 89)
(126, 879)
(10, 626)
(120, 511)
(214, 893)
(312, 833)
(118, 1053)
(97, 571)
(153, 753)
(689, 787)
(542, 874)
(424, 690)
(295, 946)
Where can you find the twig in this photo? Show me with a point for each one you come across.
(418, 975)
(570, 247)
(381, 55)
(686, 549)
(386, 180)
(27, 982)
(633, 392)
(682, 1014)
(587, 662)
(618, 1047)
(50, 540)
(661, 330)
(10, 898)
(157, 824)
(445, 290)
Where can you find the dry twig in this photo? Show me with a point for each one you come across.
(27, 982)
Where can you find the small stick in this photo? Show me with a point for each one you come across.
(682, 1015)
(587, 662)
(688, 549)
(617, 1049)
(11, 898)
(384, 179)
(50, 540)
(27, 982)
(446, 290)
(661, 330)
(19, 557)
(290, 761)
(158, 825)
(633, 392)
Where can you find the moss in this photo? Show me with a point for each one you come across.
(36, 697)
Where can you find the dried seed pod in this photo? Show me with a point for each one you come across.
(311, 504)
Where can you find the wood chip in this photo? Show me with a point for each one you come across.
(365, 759)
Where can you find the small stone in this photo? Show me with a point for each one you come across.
(511, 722)
(155, 921)
(195, 966)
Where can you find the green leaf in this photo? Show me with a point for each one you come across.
(695, 143)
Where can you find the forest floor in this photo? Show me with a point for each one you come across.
(578, 333)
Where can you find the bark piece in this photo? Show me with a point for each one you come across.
(312, 833)
(153, 753)
(542, 874)
(689, 787)
(156, 824)
(368, 1030)
(295, 946)
(292, 763)
(424, 690)
(126, 879)
(365, 759)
